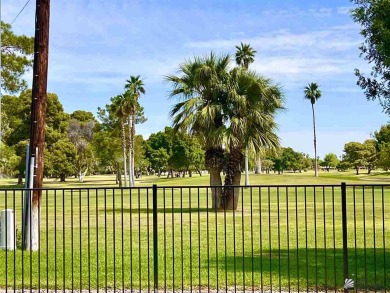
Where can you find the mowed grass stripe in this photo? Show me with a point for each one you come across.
(265, 261)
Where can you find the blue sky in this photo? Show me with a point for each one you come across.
(96, 45)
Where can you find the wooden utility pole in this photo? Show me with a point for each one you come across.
(38, 117)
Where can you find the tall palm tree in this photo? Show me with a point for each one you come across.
(117, 109)
(313, 93)
(252, 102)
(199, 89)
(244, 56)
(134, 88)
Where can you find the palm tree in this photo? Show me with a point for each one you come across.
(252, 102)
(313, 93)
(199, 89)
(244, 56)
(134, 88)
(117, 109)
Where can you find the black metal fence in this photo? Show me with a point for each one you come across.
(281, 238)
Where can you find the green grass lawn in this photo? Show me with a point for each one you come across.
(278, 237)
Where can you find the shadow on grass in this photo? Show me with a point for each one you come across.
(159, 210)
(313, 268)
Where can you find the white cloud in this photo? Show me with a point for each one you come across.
(344, 10)
(333, 38)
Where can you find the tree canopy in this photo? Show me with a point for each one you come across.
(374, 18)
(16, 59)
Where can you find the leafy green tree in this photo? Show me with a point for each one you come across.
(187, 154)
(382, 138)
(382, 135)
(134, 88)
(343, 166)
(267, 165)
(113, 120)
(9, 161)
(159, 159)
(17, 120)
(140, 161)
(81, 135)
(374, 18)
(313, 93)
(371, 154)
(384, 156)
(355, 155)
(16, 59)
(158, 151)
(82, 116)
(108, 150)
(196, 156)
(60, 159)
(330, 161)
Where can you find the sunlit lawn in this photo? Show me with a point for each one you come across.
(100, 238)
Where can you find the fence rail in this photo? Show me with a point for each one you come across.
(280, 238)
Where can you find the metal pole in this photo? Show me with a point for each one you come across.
(345, 235)
(26, 197)
(155, 241)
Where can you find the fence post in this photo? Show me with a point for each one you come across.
(155, 242)
(345, 235)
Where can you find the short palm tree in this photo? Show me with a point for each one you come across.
(313, 93)
(134, 88)
(251, 104)
(199, 89)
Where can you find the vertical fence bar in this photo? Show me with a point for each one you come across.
(155, 239)
(365, 240)
(297, 234)
(165, 243)
(384, 240)
(355, 235)
(122, 252)
(334, 242)
(97, 239)
(345, 235)
(374, 236)
(113, 238)
(131, 239)
(71, 236)
(190, 212)
(269, 239)
(325, 256)
(181, 240)
(147, 234)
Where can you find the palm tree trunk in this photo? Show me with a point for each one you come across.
(129, 124)
(132, 150)
(216, 187)
(119, 176)
(124, 152)
(246, 168)
(258, 163)
(233, 177)
(214, 158)
(315, 143)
